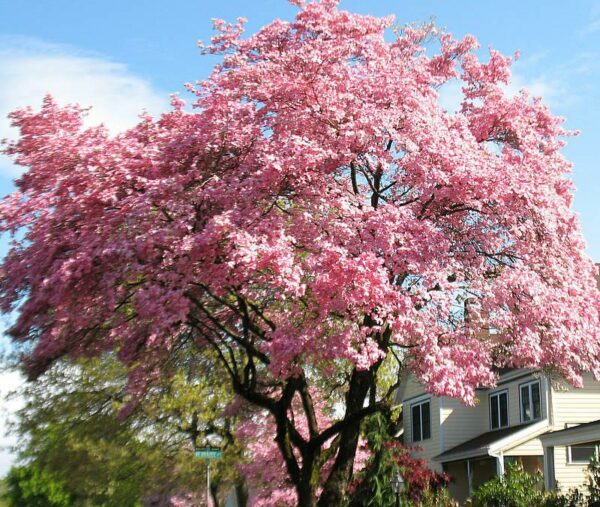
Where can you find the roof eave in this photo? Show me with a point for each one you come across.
(501, 445)
(526, 434)
(583, 435)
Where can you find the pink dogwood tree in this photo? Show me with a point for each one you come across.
(318, 215)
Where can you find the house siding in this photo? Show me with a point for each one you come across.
(567, 475)
(430, 447)
(532, 447)
(514, 397)
(572, 406)
(460, 422)
(412, 389)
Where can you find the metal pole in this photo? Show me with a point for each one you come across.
(208, 484)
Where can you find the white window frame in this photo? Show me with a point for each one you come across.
(420, 404)
(496, 394)
(570, 460)
(528, 385)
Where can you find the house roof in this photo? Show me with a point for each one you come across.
(481, 444)
(576, 434)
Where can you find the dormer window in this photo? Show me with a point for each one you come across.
(499, 410)
(421, 421)
(531, 401)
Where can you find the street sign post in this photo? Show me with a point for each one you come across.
(208, 453)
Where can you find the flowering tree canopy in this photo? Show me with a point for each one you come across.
(317, 214)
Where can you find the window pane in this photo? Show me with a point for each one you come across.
(525, 407)
(582, 453)
(503, 410)
(535, 397)
(416, 423)
(494, 411)
(426, 418)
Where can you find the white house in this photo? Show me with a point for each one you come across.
(527, 417)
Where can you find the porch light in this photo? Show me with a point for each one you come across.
(397, 486)
(397, 483)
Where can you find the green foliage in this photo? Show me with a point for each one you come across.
(439, 497)
(516, 488)
(3, 493)
(422, 486)
(574, 497)
(376, 482)
(519, 489)
(72, 426)
(593, 481)
(31, 486)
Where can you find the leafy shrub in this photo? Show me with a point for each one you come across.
(422, 486)
(573, 498)
(519, 489)
(31, 486)
(593, 482)
(516, 488)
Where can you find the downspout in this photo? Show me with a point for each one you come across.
(546, 469)
(499, 462)
(469, 477)
(549, 407)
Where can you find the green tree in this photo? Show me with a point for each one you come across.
(81, 423)
(31, 486)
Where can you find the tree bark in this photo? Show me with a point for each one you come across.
(241, 494)
(334, 489)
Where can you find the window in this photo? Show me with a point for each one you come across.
(531, 405)
(421, 421)
(582, 453)
(499, 410)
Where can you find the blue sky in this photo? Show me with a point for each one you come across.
(126, 55)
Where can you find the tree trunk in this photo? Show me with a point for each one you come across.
(306, 495)
(241, 494)
(213, 494)
(334, 489)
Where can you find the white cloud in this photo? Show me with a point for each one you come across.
(9, 381)
(29, 69)
(553, 91)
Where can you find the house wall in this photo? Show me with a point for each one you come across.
(567, 475)
(514, 398)
(430, 447)
(460, 423)
(532, 447)
(459, 483)
(411, 388)
(452, 423)
(572, 406)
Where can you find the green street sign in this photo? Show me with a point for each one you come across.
(208, 453)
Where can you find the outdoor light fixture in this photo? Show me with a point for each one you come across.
(397, 486)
